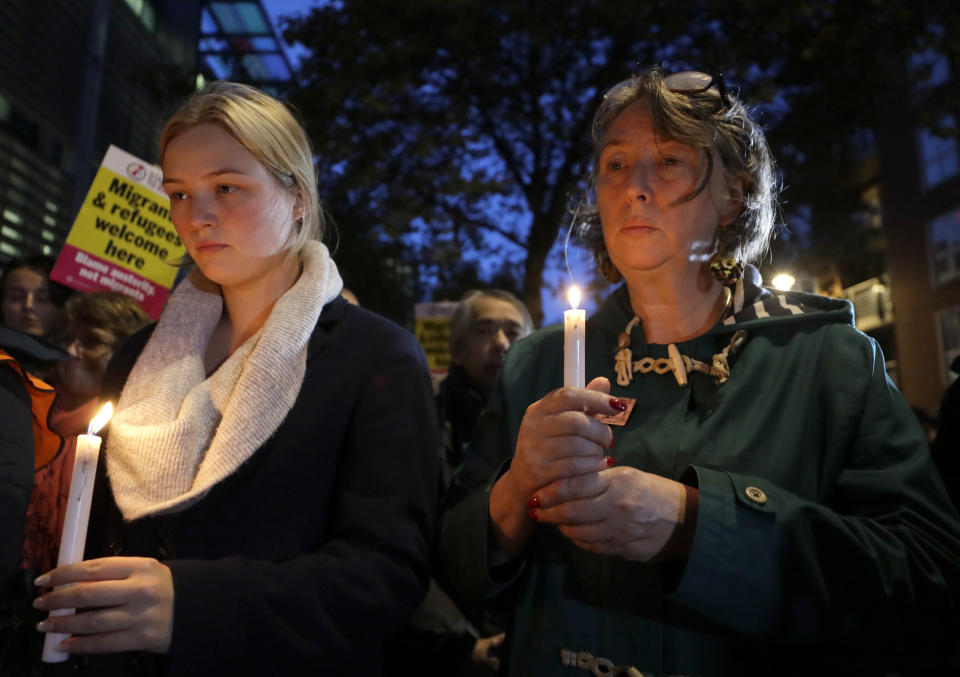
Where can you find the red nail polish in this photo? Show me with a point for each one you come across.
(533, 514)
(534, 502)
(617, 404)
(609, 460)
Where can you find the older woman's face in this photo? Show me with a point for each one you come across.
(642, 179)
(90, 350)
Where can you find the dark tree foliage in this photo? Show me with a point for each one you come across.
(453, 136)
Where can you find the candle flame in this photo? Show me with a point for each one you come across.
(573, 296)
(100, 419)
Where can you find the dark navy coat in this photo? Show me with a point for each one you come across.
(316, 549)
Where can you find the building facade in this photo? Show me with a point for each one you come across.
(79, 75)
(919, 179)
(74, 78)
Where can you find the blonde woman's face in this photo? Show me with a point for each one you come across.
(233, 216)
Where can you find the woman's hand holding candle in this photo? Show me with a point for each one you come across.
(122, 604)
(73, 536)
(559, 438)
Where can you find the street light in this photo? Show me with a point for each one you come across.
(784, 281)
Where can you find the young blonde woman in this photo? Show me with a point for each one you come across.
(272, 462)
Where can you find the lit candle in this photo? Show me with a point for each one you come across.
(74, 536)
(574, 351)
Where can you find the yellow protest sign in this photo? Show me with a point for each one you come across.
(432, 329)
(123, 239)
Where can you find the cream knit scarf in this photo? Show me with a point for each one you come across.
(177, 433)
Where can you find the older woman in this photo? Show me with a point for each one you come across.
(272, 463)
(741, 488)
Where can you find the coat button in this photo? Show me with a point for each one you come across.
(756, 495)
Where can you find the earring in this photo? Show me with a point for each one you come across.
(724, 267)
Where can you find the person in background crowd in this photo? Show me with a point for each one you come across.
(453, 638)
(270, 487)
(27, 364)
(30, 312)
(16, 479)
(756, 496)
(97, 324)
(483, 327)
(946, 445)
(31, 303)
(16, 463)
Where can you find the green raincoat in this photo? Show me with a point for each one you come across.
(825, 542)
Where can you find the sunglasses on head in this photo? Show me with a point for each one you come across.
(696, 82)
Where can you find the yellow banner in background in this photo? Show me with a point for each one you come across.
(123, 239)
(432, 329)
(126, 224)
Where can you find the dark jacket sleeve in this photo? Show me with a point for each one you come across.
(329, 610)
(16, 467)
(876, 557)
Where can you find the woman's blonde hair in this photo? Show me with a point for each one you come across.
(713, 121)
(266, 128)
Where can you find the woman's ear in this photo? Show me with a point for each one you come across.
(298, 206)
(737, 190)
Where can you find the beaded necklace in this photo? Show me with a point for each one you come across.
(680, 365)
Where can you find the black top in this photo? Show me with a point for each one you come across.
(16, 468)
(316, 549)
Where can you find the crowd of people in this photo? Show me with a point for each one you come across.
(282, 490)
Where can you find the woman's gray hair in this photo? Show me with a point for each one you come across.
(721, 128)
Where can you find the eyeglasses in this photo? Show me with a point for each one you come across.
(90, 343)
(696, 82)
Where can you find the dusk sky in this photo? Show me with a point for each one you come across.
(278, 8)
(556, 274)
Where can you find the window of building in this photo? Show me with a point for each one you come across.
(11, 216)
(11, 234)
(145, 12)
(944, 238)
(939, 155)
(949, 321)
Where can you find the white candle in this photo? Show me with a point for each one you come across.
(74, 536)
(574, 350)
